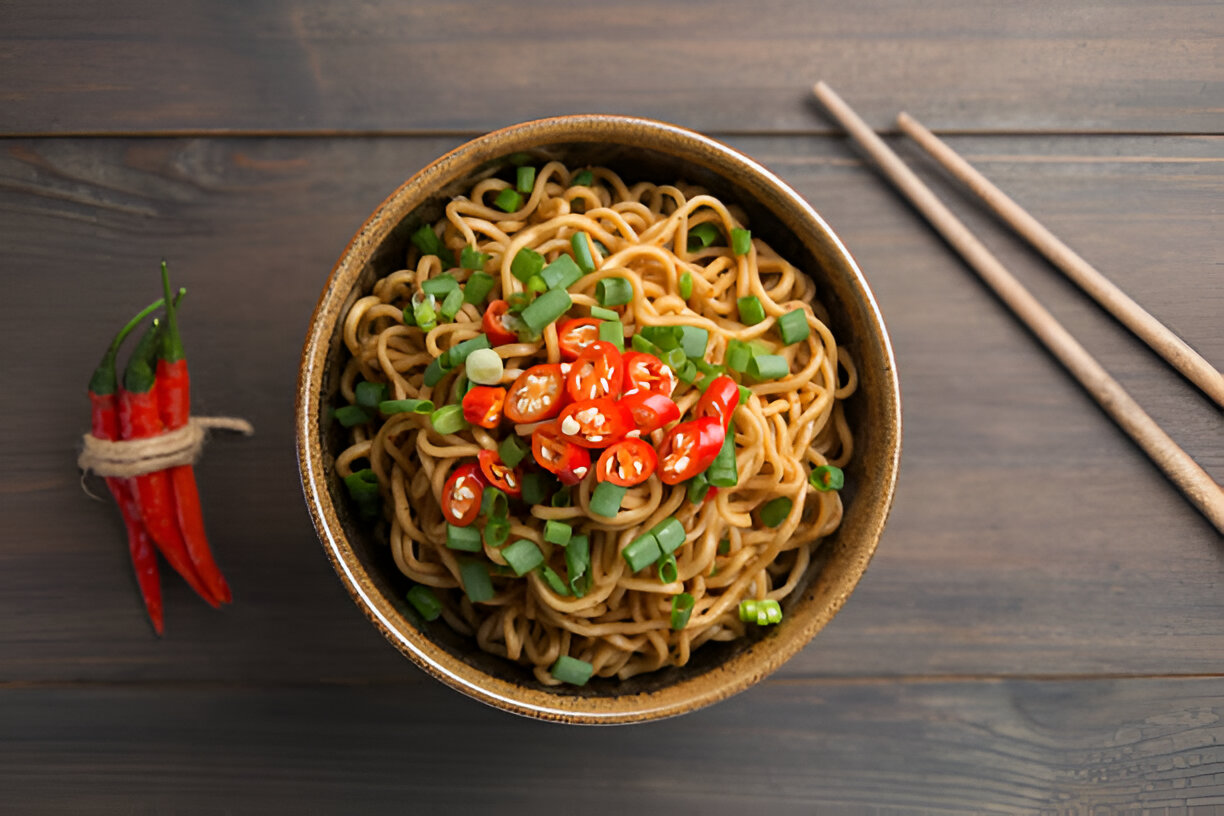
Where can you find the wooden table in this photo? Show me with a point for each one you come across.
(1042, 628)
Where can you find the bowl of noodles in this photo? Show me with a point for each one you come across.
(597, 420)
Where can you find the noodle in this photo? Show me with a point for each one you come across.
(622, 624)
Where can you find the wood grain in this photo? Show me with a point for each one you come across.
(384, 66)
(1062, 748)
(1029, 538)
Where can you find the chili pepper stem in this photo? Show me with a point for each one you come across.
(172, 344)
(104, 380)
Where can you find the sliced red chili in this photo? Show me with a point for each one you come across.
(483, 405)
(596, 374)
(627, 463)
(595, 423)
(646, 373)
(650, 411)
(536, 394)
(569, 462)
(689, 448)
(500, 475)
(574, 336)
(494, 324)
(462, 495)
(719, 400)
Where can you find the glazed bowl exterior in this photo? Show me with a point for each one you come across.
(641, 150)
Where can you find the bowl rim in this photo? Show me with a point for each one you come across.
(716, 684)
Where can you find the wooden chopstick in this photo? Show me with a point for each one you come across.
(1184, 472)
(1164, 342)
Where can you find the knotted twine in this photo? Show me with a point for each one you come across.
(126, 458)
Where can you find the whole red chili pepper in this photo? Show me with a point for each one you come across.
(104, 423)
(139, 419)
(174, 409)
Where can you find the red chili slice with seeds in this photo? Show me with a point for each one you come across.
(574, 336)
(494, 324)
(647, 374)
(483, 405)
(627, 463)
(462, 495)
(556, 454)
(651, 411)
(596, 374)
(689, 448)
(536, 394)
(500, 475)
(596, 423)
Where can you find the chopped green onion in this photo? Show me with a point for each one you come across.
(613, 331)
(698, 487)
(526, 263)
(571, 670)
(523, 556)
(512, 450)
(546, 309)
(561, 273)
(582, 251)
(686, 372)
(600, 313)
(525, 179)
(426, 240)
(723, 471)
(369, 394)
(484, 366)
(423, 311)
(436, 370)
(459, 388)
(682, 609)
(793, 327)
(440, 286)
(694, 340)
(463, 538)
(476, 583)
(425, 602)
(409, 315)
(449, 419)
(451, 304)
(558, 532)
(640, 343)
(496, 531)
(827, 477)
(744, 395)
(675, 358)
(642, 551)
(350, 415)
(686, 284)
(536, 285)
(768, 367)
(494, 504)
(520, 157)
(553, 580)
(606, 499)
(668, 571)
(613, 291)
(458, 353)
(751, 311)
(583, 179)
(562, 498)
(509, 200)
(776, 511)
(578, 564)
(535, 487)
(665, 337)
(669, 533)
(478, 288)
(518, 302)
(738, 356)
(741, 241)
(405, 406)
(703, 235)
(761, 347)
(707, 368)
(362, 485)
(724, 546)
(760, 612)
(472, 258)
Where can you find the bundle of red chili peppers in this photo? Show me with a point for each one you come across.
(161, 510)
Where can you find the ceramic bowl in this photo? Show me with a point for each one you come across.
(640, 150)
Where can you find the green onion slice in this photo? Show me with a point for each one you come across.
(582, 179)
(440, 286)
(494, 504)
(557, 532)
(466, 539)
(768, 367)
(762, 612)
(525, 179)
(572, 670)
(350, 415)
(405, 406)
(776, 511)
(369, 394)
(475, 578)
(546, 309)
(723, 471)
(523, 556)
(509, 200)
(682, 609)
(613, 291)
(527, 262)
(641, 552)
(702, 235)
(751, 311)
(562, 273)
(686, 284)
(472, 258)
(606, 499)
(668, 571)
(496, 531)
(580, 243)
(793, 327)
(448, 419)
(827, 477)
(741, 241)
(554, 581)
(425, 602)
(512, 450)
(578, 564)
(478, 287)
(600, 313)
(669, 533)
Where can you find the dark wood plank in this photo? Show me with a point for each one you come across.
(1029, 536)
(725, 66)
(889, 748)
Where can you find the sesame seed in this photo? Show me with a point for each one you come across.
(570, 426)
